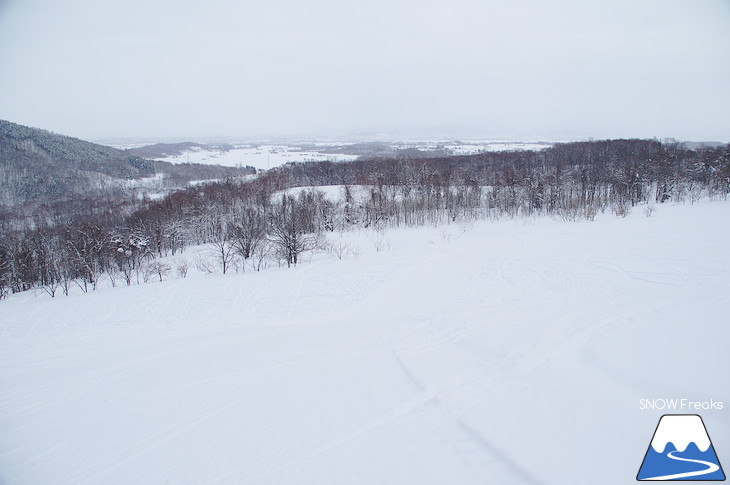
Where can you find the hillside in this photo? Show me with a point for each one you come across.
(54, 175)
(37, 165)
(510, 352)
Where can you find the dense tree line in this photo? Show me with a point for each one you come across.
(259, 222)
(163, 150)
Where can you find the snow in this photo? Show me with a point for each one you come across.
(270, 155)
(505, 352)
(261, 157)
(471, 148)
(681, 430)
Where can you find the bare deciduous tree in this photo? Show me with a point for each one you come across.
(287, 230)
(247, 231)
(181, 267)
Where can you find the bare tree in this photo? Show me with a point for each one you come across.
(156, 268)
(181, 267)
(287, 230)
(260, 255)
(87, 247)
(247, 231)
(221, 247)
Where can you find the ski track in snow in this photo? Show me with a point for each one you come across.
(449, 356)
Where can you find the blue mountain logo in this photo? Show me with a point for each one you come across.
(681, 450)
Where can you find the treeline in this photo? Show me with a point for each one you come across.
(28, 198)
(260, 222)
(376, 149)
(163, 150)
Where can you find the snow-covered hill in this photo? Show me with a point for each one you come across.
(501, 352)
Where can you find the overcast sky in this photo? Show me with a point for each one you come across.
(323, 68)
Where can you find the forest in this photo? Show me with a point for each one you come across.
(49, 179)
(255, 223)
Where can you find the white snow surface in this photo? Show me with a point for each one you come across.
(269, 155)
(509, 352)
(471, 148)
(681, 430)
(261, 157)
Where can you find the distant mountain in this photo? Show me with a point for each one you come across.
(44, 173)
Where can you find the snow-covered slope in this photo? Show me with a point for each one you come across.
(507, 352)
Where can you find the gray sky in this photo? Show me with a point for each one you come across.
(512, 69)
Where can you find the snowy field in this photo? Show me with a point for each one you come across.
(508, 352)
(268, 155)
(471, 148)
(261, 157)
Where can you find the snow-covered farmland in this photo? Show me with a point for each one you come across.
(470, 148)
(505, 352)
(261, 157)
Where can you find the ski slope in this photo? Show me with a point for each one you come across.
(509, 352)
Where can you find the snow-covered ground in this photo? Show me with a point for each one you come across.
(261, 157)
(505, 352)
(270, 155)
(473, 147)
